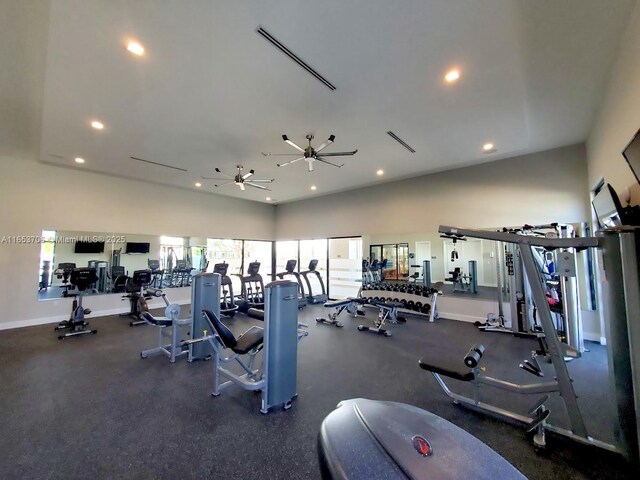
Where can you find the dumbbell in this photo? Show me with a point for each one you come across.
(418, 306)
(426, 308)
(410, 304)
(473, 356)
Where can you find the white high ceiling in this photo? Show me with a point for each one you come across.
(210, 92)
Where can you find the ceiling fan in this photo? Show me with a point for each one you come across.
(240, 179)
(311, 154)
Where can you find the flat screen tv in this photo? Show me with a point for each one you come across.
(608, 208)
(88, 247)
(137, 247)
(631, 154)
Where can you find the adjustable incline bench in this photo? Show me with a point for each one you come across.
(386, 311)
(350, 304)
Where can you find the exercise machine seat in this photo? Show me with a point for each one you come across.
(380, 303)
(440, 360)
(158, 322)
(246, 342)
(376, 439)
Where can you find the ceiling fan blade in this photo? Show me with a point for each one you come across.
(339, 154)
(261, 187)
(241, 185)
(212, 178)
(286, 139)
(247, 175)
(320, 159)
(290, 162)
(222, 173)
(326, 144)
(279, 154)
(263, 181)
(223, 184)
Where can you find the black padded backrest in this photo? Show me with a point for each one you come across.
(312, 265)
(291, 266)
(254, 268)
(116, 271)
(141, 277)
(228, 339)
(83, 277)
(221, 268)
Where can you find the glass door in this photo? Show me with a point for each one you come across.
(345, 266)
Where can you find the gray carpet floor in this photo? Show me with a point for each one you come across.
(89, 407)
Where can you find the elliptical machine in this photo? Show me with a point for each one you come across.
(252, 294)
(81, 279)
(227, 299)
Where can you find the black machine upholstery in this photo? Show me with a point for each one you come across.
(380, 303)
(83, 278)
(440, 360)
(159, 322)
(246, 342)
(141, 278)
(345, 301)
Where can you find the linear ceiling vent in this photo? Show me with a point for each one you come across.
(400, 141)
(159, 164)
(271, 39)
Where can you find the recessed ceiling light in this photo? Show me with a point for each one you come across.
(198, 184)
(97, 125)
(268, 199)
(452, 75)
(489, 147)
(79, 160)
(380, 172)
(313, 187)
(135, 48)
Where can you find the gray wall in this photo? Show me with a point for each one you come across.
(618, 117)
(36, 196)
(536, 188)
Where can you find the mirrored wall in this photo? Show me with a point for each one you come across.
(173, 260)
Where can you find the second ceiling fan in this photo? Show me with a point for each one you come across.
(239, 179)
(310, 154)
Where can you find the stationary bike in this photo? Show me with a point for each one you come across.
(81, 279)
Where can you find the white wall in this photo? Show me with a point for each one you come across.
(617, 120)
(618, 117)
(536, 188)
(36, 196)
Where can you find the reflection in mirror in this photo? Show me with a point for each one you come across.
(172, 260)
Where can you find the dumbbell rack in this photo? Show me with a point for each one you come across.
(416, 299)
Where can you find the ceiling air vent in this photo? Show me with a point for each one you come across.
(273, 41)
(400, 141)
(159, 164)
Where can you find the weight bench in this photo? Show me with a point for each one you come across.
(440, 362)
(350, 304)
(386, 311)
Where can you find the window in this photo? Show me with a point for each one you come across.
(345, 266)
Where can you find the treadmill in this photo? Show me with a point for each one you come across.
(290, 270)
(311, 298)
